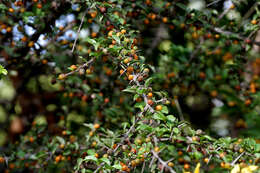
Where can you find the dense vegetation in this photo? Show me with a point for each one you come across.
(129, 86)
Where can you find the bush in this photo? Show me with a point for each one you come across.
(80, 96)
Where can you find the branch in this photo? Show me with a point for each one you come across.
(162, 162)
(82, 19)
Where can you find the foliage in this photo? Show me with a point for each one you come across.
(87, 99)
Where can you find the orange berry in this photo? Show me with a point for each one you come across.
(24, 39)
(106, 100)
(158, 107)
(214, 93)
(206, 160)
(62, 146)
(180, 153)
(11, 165)
(186, 166)
(232, 6)
(11, 10)
(130, 69)
(124, 168)
(126, 60)
(61, 76)
(146, 21)
(64, 132)
(73, 67)
(202, 75)
(30, 44)
(9, 29)
(93, 34)
(156, 149)
(96, 126)
(96, 155)
(170, 164)
(57, 158)
(253, 22)
(165, 19)
(121, 71)
(31, 139)
(150, 95)
(130, 77)
(123, 31)
(150, 102)
(39, 5)
(2, 159)
(248, 102)
(110, 33)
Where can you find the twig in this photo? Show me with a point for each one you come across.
(248, 13)
(214, 2)
(162, 162)
(80, 67)
(82, 19)
(99, 167)
(234, 161)
(143, 167)
(219, 30)
(179, 109)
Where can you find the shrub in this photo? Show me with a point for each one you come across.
(86, 99)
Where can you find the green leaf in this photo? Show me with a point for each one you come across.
(171, 118)
(117, 166)
(130, 90)
(140, 105)
(60, 139)
(165, 110)
(93, 158)
(116, 38)
(3, 70)
(149, 81)
(106, 160)
(159, 116)
(93, 42)
(175, 130)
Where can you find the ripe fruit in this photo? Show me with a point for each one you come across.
(31, 139)
(202, 75)
(39, 5)
(130, 77)
(130, 69)
(150, 102)
(62, 146)
(186, 166)
(124, 168)
(11, 10)
(96, 155)
(61, 76)
(150, 95)
(64, 133)
(73, 67)
(96, 126)
(206, 160)
(158, 107)
(57, 158)
(170, 164)
(24, 39)
(165, 19)
(253, 22)
(30, 44)
(123, 31)
(247, 102)
(110, 33)
(126, 60)
(156, 149)
(2, 159)
(214, 93)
